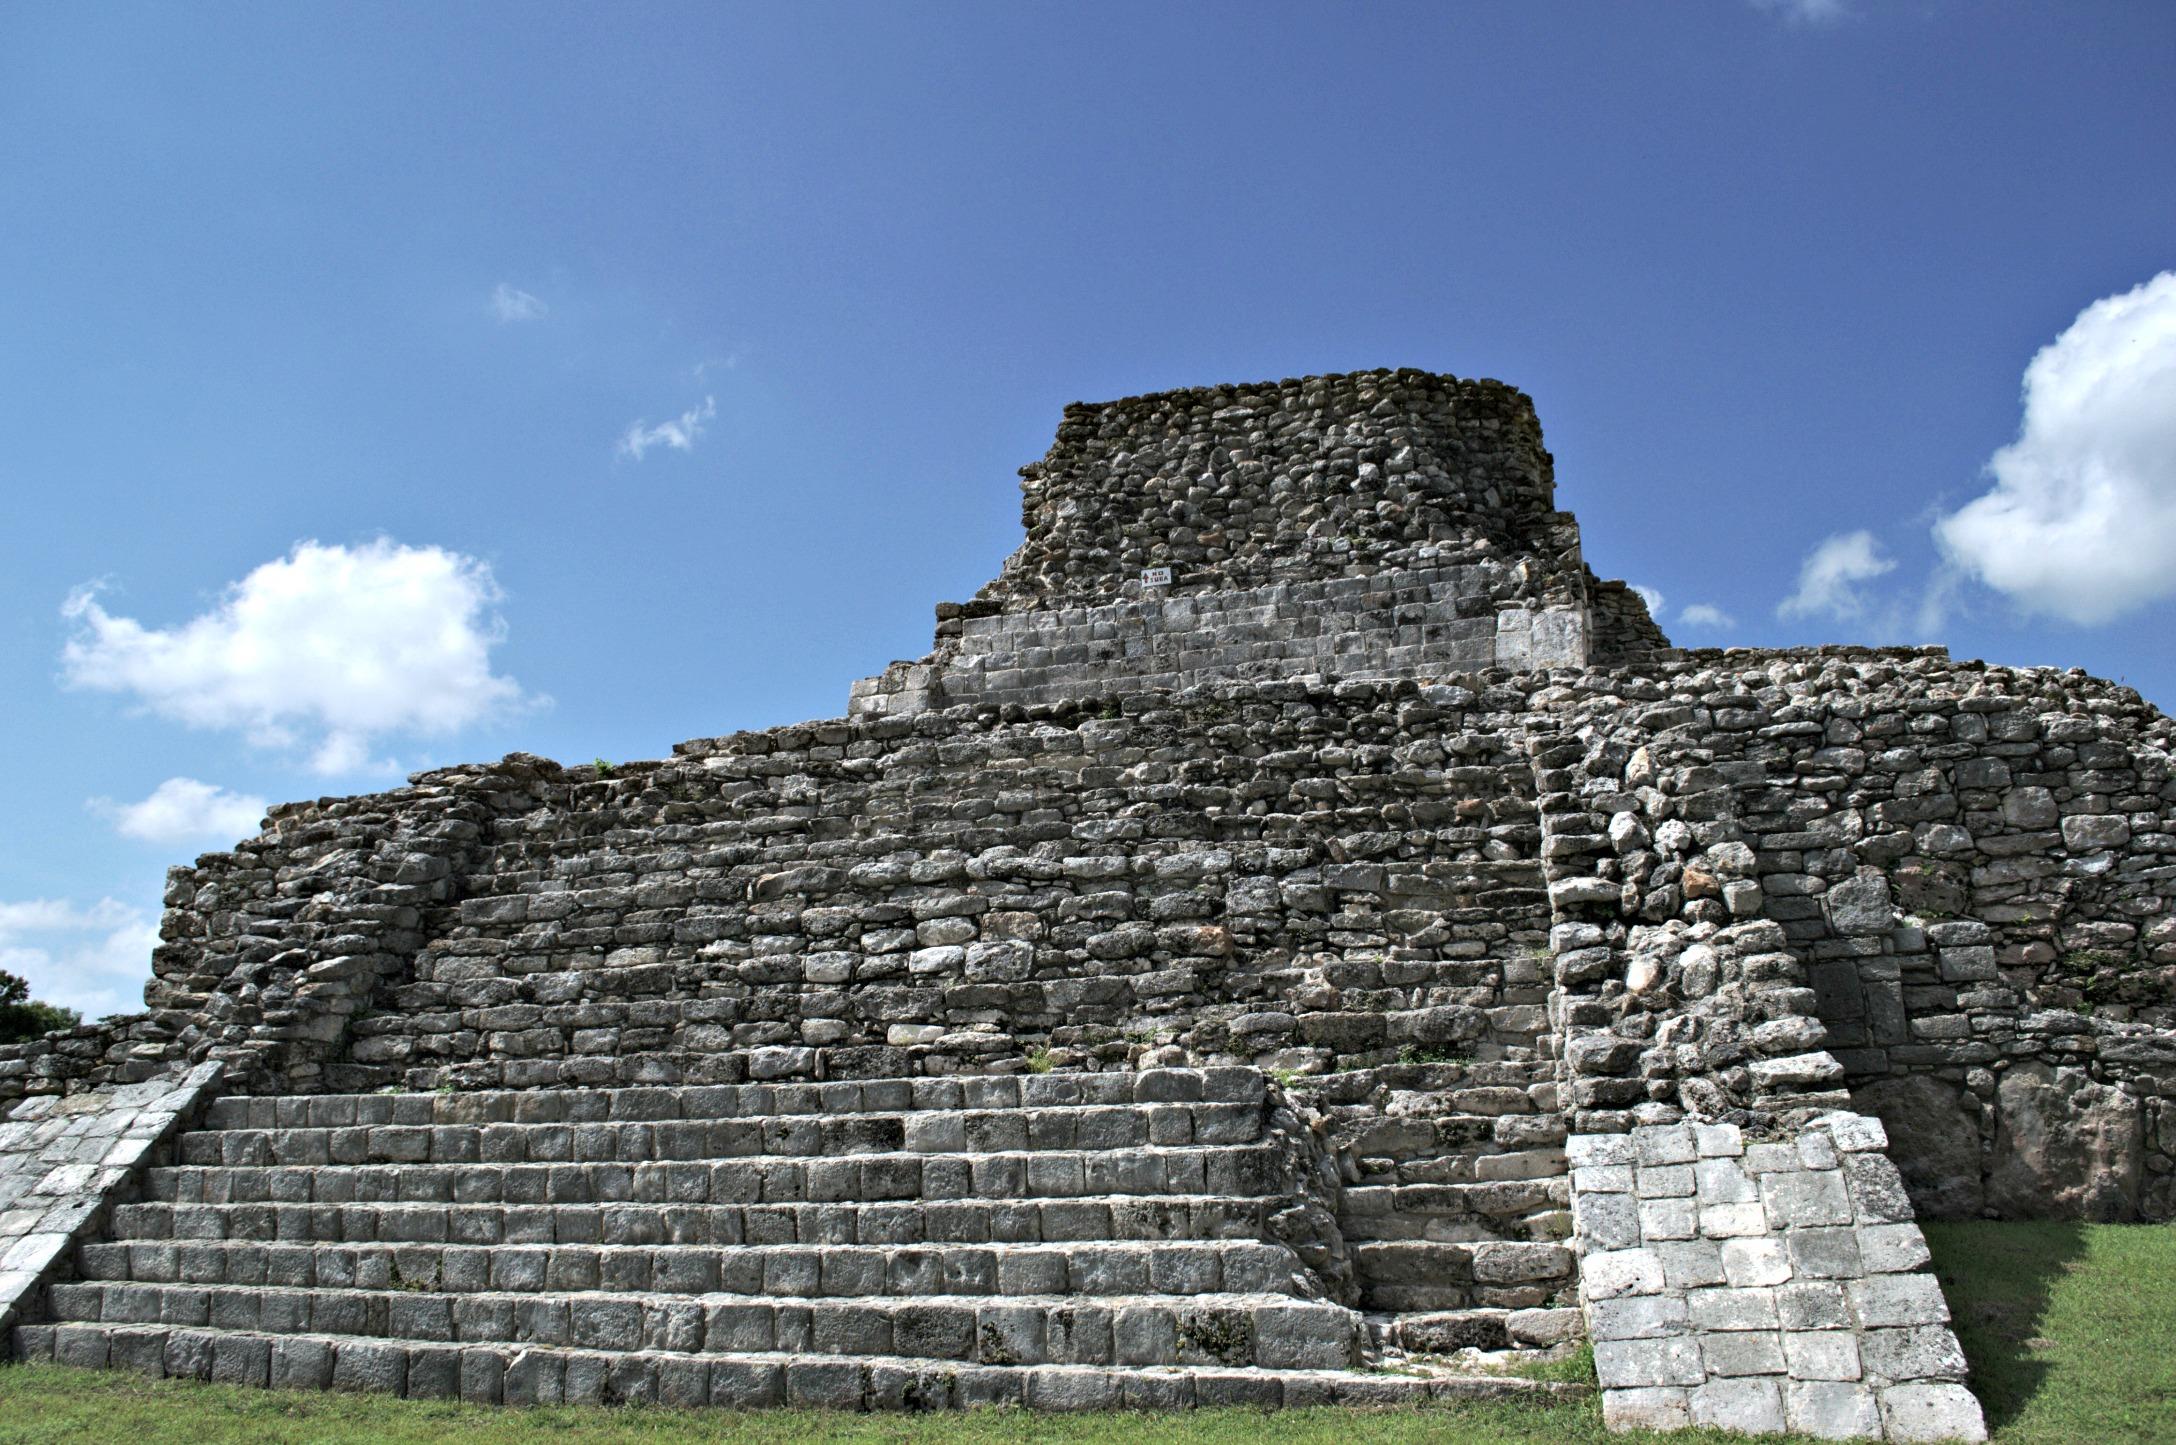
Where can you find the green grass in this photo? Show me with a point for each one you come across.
(52, 1403)
(2071, 1330)
(1576, 1368)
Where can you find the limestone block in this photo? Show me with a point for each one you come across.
(1806, 1198)
(1575, 892)
(1742, 1352)
(1732, 1221)
(1831, 1410)
(1861, 905)
(1584, 1150)
(1796, 1070)
(1664, 1145)
(1657, 1408)
(1753, 1406)
(1669, 1219)
(1813, 1305)
(2065, 1146)
(1931, 1412)
(1822, 1354)
(1892, 1248)
(1724, 1181)
(1921, 1352)
(1732, 1308)
(1692, 1264)
(1750, 1263)
(1636, 1317)
(1645, 1363)
(1888, 1301)
(1606, 1221)
(2030, 808)
(1827, 1253)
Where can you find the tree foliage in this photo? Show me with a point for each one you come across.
(22, 1017)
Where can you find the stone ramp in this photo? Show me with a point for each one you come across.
(1764, 1285)
(63, 1158)
(1057, 1240)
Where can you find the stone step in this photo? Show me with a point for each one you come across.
(1266, 1330)
(702, 1103)
(1455, 1134)
(1444, 1332)
(1420, 1152)
(1407, 1275)
(819, 1270)
(1420, 1076)
(530, 1375)
(1480, 1110)
(932, 1131)
(957, 1221)
(1449, 1213)
(1245, 1171)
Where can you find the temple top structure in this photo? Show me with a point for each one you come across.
(1374, 523)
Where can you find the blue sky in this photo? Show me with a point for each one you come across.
(387, 386)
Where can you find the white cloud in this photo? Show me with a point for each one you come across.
(1652, 596)
(510, 303)
(1931, 617)
(680, 434)
(1702, 614)
(1807, 12)
(2081, 521)
(96, 959)
(182, 810)
(1828, 581)
(331, 646)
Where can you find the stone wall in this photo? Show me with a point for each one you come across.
(1424, 622)
(1374, 524)
(1289, 875)
(1957, 872)
(268, 950)
(1233, 487)
(1620, 630)
(1962, 879)
(1329, 881)
(1941, 922)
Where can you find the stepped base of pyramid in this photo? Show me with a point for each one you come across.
(1098, 1241)
(495, 1375)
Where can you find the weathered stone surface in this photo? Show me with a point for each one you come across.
(2065, 1147)
(1816, 1305)
(1930, 1412)
(1935, 1139)
(63, 1161)
(1861, 905)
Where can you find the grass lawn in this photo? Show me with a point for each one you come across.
(50, 1403)
(2071, 1330)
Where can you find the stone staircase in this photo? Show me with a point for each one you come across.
(1458, 1222)
(1056, 1240)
